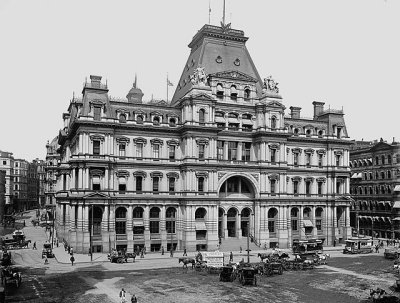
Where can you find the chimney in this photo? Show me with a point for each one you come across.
(295, 112)
(95, 80)
(318, 108)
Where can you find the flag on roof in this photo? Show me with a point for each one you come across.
(169, 83)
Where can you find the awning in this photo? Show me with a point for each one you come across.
(359, 176)
(354, 176)
(397, 188)
(396, 219)
(201, 226)
(396, 204)
(307, 223)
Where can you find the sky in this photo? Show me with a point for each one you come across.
(344, 53)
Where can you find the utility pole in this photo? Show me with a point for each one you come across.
(91, 237)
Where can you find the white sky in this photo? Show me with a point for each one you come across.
(341, 52)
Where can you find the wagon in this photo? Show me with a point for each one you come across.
(11, 275)
(47, 251)
(227, 274)
(273, 268)
(391, 253)
(247, 275)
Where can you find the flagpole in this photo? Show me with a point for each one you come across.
(209, 11)
(167, 87)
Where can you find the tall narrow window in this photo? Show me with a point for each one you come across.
(273, 185)
(233, 93)
(296, 159)
(139, 119)
(337, 160)
(122, 185)
(308, 159)
(246, 146)
(139, 183)
(319, 184)
(122, 118)
(246, 94)
(156, 181)
(201, 117)
(97, 113)
(76, 177)
(172, 152)
(220, 91)
(294, 213)
(296, 187)
(232, 150)
(139, 150)
(273, 122)
(201, 151)
(122, 150)
(220, 150)
(338, 187)
(156, 151)
(96, 147)
(273, 155)
(171, 184)
(308, 188)
(96, 183)
(201, 184)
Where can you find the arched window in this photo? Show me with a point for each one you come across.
(246, 93)
(272, 217)
(233, 93)
(156, 121)
(389, 174)
(138, 213)
(122, 118)
(139, 119)
(383, 175)
(201, 116)
(294, 214)
(200, 213)
(389, 159)
(307, 213)
(273, 122)
(170, 220)
(383, 160)
(376, 160)
(172, 122)
(154, 220)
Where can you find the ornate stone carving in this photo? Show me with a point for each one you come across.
(255, 176)
(270, 85)
(220, 175)
(199, 77)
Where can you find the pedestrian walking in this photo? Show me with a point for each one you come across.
(184, 252)
(171, 252)
(72, 259)
(231, 257)
(162, 250)
(122, 295)
(133, 299)
(46, 261)
(142, 253)
(240, 249)
(334, 242)
(71, 251)
(57, 242)
(34, 245)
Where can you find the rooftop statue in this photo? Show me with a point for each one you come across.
(270, 85)
(199, 77)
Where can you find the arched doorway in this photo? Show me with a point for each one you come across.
(245, 221)
(221, 233)
(95, 217)
(231, 222)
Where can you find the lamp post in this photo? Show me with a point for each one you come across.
(248, 242)
(91, 237)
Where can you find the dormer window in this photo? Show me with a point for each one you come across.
(246, 94)
(296, 131)
(308, 132)
(156, 121)
(172, 122)
(233, 93)
(220, 91)
(97, 113)
(320, 133)
(122, 118)
(139, 119)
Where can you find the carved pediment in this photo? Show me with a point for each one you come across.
(275, 104)
(234, 75)
(202, 96)
(96, 195)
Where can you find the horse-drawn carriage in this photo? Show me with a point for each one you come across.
(47, 251)
(227, 274)
(247, 274)
(9, 275)
(17, 240)
(121, 257)
(272, 267)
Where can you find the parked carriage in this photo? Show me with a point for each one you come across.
(247, 275)
(273, 267)
(227, 274)
(5, 258)
(392, 253)
(121, 257)
(47, 251)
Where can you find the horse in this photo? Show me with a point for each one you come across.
(130, 255)
(24, 244)
(323, 258)
(186, 261)
(264, 256)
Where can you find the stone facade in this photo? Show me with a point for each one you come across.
(220, 160)
(375, 188)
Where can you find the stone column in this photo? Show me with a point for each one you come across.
(163, 227)
(129, 228)
(146, 221)
(225, 224)
(238, 227)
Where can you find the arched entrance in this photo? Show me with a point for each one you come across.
(221, 214)
(95, 217)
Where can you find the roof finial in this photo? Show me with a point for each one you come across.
(135, 83)
(209, 11)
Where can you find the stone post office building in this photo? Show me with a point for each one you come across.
(220, 160)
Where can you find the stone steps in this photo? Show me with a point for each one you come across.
(234, 244)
